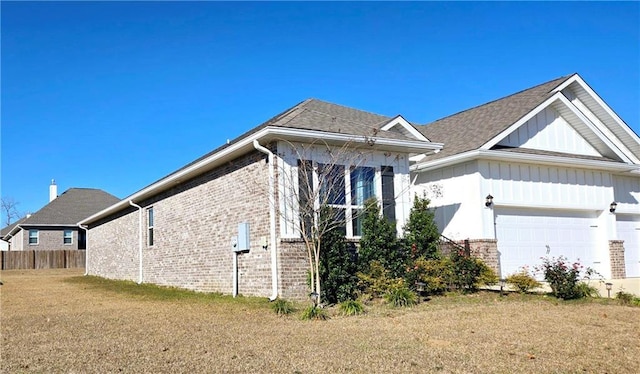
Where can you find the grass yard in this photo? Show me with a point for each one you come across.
(59, 321)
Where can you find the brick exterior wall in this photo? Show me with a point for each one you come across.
(48, 239)
(294, 267)
(484, 249)
(193, 225)
(616, 255)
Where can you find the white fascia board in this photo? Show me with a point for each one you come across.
(495, 140)
(247, 144)
(399, 120)
(594, 129)
(582, 207)
(604, 105)
(528, 158)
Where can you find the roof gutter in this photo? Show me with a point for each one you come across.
(245, 144)
(525, 158)
(272, 219)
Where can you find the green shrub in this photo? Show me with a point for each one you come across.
(377, 281)
(380, 242)
(469, 273)
(563, 278)
(434, 274)
(314, 313)
(337, 268)
(587, 290)
(421, 232)
(401, 297)
(351, 308)
(625, 298)
(282, 307)
(523, 281)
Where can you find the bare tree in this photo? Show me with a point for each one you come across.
(10, 210)
(322, 188)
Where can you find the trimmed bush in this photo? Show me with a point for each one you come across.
(563, 278)
(377, 281)
(338, 268)
(523, 281)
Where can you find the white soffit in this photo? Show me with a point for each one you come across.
(404, 128)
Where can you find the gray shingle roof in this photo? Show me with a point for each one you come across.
(71, 207)
(314, 114)
(470, 129)
(8, 228)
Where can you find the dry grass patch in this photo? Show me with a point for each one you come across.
(53, 322)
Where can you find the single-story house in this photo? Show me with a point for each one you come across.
(548, 171)
(546, 162)
(55, 226)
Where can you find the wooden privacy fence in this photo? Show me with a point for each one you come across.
(59, 259)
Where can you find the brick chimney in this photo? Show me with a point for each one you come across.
(53, 190)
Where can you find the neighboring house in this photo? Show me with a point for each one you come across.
(554, 158)
(562, 169)
(55, 226)
(178, 231)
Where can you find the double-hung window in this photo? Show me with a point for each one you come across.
(33, 237)
(150, 227)
(67, 237)
(340, 188)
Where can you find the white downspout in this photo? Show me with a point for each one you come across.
(139, 238)
(86, 249)
(235, 273)
(272, 219)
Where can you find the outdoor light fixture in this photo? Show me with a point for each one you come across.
(420, 286)
(503, 282)
(609, 286)
(314, 297)
(488, 200)
(613, 206)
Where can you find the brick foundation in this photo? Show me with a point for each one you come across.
(616, 255)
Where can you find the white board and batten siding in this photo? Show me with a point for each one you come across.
(457, 212)
(627, 196)
(548, 131)
(530, 185)
(543, 210)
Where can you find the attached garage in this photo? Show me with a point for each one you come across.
(526, 235)
(629, 230)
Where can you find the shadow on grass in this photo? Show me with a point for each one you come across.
(147, 291)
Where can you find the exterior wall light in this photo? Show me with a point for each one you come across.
(612, 207)
(488, 201)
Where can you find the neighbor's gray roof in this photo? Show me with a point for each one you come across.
(471, 129)
(8, 228)
(74, 205)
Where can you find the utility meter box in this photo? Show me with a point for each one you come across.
(244, 239)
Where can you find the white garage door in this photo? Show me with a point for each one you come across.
(526, 235)
(629, 231)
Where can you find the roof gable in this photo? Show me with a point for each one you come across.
(402, 126)
(471, 129)
(549, 131)
(563, 116)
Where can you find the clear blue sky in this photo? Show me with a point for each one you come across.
(115, 95)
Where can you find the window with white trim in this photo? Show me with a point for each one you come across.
(344, 189)
(67, 237)
(33, 237)
(150, 226)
